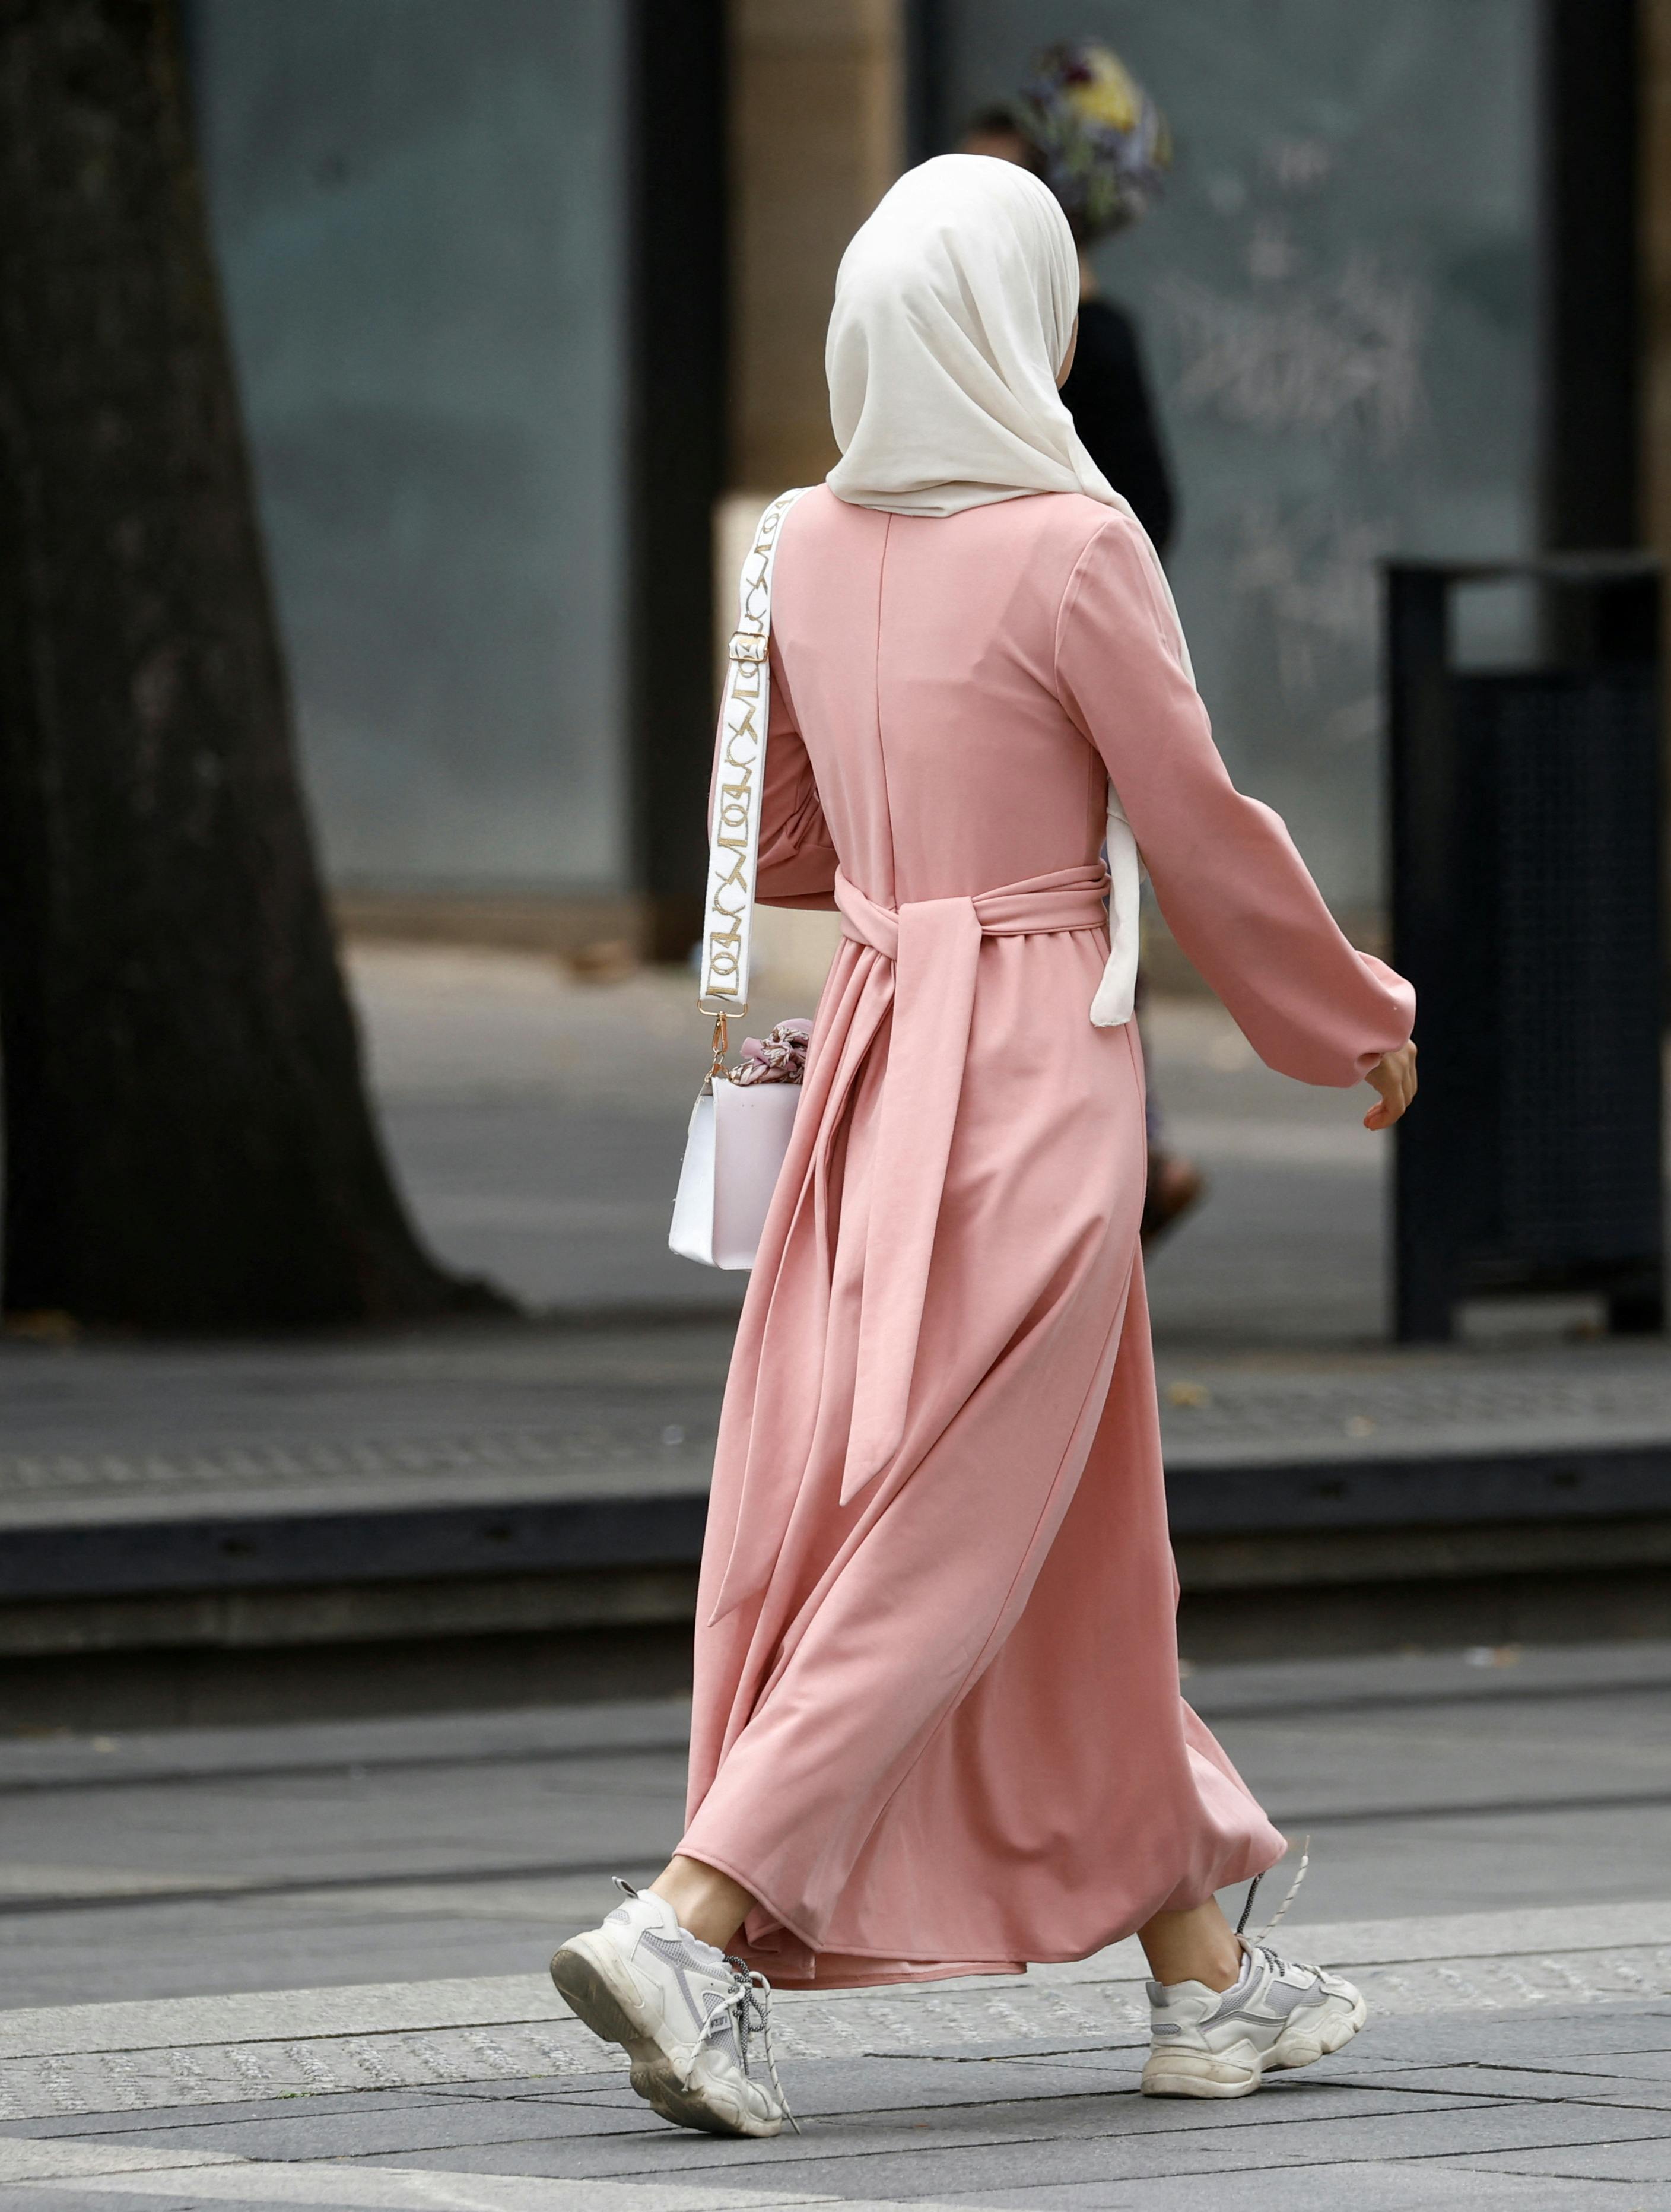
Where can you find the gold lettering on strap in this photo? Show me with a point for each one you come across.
(737, 796)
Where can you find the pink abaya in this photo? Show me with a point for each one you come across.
(936, 1725)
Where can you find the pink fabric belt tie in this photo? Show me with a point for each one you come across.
(934, 948)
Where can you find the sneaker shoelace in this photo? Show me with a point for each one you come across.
(1293, 1892)
(750, 2001)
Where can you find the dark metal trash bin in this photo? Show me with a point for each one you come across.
(1527, 910)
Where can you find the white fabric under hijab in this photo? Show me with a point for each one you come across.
(954, 307)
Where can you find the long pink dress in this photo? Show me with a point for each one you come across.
(938, 1727)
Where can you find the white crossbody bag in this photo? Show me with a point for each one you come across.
(740, 1130)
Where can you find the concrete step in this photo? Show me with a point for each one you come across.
(527, 1483)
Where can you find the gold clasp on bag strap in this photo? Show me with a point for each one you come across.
(721, 1044)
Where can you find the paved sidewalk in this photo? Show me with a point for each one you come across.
(1513, 2060)
(523, 1412)
(309, 1957)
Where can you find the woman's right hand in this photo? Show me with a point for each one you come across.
(1393, 1076)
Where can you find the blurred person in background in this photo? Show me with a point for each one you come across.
(936, 1723)
(1089, 131)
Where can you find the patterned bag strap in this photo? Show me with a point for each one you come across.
(744, 712)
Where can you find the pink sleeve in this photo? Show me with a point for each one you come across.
(1235, 892)
(797, 864)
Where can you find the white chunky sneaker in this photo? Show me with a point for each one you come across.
(684, 2012)
(1222, 2043)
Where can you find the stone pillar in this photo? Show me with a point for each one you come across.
(817, 136)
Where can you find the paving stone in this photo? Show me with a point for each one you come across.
(1043, 2050)
(1413, 2185)
(854, 2086)
(455, 2125)
(329, 2184)
(187, 2194)
(159, 2174)
(1611, 2157)
(944, 2148)
(583, 2088)
(1630, 2065)
(951, 2162)
(27, 2159)
(1560, 2039)
(1541, 2085)
(86, 2196)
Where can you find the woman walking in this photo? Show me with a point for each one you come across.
(937, 1724)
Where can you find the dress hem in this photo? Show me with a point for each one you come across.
(896, 1970)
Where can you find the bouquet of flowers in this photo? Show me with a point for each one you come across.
(1105, 144)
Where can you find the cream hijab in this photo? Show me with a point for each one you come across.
(954, 307)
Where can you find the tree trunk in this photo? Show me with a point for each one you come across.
(187, 1139)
